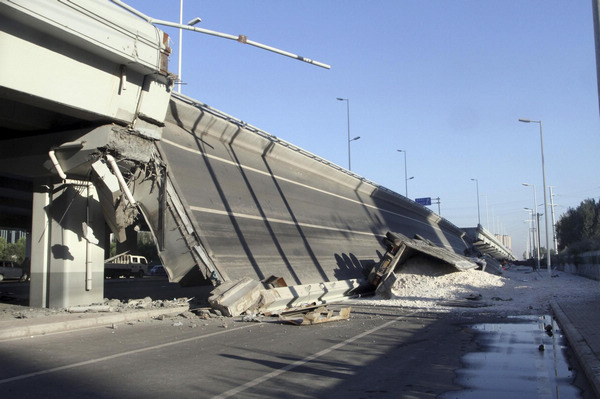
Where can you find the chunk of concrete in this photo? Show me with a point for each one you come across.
(275, 300)
(233, 298)
(315, 316)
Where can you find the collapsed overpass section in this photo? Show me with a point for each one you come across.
(90, 124)
(238, 202)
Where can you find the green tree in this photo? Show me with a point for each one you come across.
(147, 247)
(14, 252)
(3, 247)
(579, 228)
(18, 250)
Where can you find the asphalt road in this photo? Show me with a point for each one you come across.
(378, 353)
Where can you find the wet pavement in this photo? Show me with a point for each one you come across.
(524, 357)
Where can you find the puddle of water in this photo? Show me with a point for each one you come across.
(520, 359)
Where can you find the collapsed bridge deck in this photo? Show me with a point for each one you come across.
(260, 206)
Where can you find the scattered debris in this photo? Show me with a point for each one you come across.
(464, 303)
(315, 315)
(474, 297)
(251, 317)
(274, 282)
(90, 308)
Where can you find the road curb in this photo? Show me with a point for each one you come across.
(33, 328)
(584, 354)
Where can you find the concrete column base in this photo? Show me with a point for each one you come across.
(67, 259)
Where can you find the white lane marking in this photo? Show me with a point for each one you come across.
(115, 356)
(301, 362)
(293, 182)
(275, 220)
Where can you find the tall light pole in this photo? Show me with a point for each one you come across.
(536, 226)
(406, 179)
(478, 210)
(349, 140)
(487, 213)
(180, 45)
(548, 257)
(530, 232)
(552, 205)
(180, 55)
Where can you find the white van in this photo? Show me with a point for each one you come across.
(126, 265)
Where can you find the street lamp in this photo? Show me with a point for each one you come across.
(530, 233)
(349, 139)
(487, 212)
(406, 179)
(536, 226)
(180, 55)
(478, 210)
(548, 257)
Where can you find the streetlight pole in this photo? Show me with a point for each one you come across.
(487, 213)
(405, 174)
(536, 227)
(552, 205)
(180, 45)
(530, 233)
(548, 257)
(478, 211)
(349, 140)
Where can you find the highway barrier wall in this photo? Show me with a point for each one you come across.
(586, 264)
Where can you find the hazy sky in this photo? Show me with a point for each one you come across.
(444, 80)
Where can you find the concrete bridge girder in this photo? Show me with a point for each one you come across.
(73, 62)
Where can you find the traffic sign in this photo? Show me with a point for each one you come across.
(423, 201)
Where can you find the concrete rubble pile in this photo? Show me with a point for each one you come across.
(272, 296)
(302, 304)
(400, 249)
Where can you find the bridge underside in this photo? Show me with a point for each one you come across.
(487, 244)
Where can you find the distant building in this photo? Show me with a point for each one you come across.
(11, 235)
(505, 240)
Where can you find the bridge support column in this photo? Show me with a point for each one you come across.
(67, 258)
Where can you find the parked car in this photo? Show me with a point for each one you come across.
(158, 270)
(11, 270)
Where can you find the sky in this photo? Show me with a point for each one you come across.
(445, 81)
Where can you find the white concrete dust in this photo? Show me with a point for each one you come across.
(426, 286)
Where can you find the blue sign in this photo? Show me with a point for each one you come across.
(423, 201)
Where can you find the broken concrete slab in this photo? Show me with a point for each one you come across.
(233, 298)
(275, 300)
(316, 315)
(440, 253)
